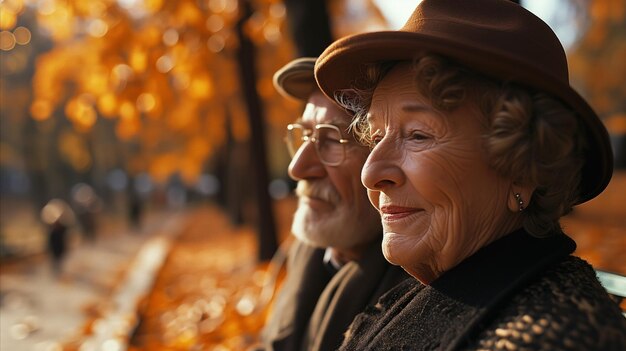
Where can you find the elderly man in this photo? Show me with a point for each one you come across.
(335, 267)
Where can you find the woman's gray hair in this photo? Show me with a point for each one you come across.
(531, 137)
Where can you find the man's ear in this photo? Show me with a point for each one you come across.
(519, 197)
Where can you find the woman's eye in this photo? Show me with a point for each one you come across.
(419, 136)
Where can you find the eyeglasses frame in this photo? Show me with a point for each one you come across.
(313, 139)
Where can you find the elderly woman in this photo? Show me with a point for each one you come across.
(479, 146)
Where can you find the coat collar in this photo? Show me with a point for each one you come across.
(484, 280)
(451, 311)
(506, 262)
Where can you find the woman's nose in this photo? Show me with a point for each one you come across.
(382, 168)
(306, 164)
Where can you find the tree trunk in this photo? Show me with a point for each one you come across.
(268, 242)
(310, 26)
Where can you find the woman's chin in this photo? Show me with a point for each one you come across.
(397, 247)
(410, 253)
(386, 246)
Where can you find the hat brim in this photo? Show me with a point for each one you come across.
(296, 80)
(346, 59)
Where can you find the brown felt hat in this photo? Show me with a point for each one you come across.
(296, 80)
(497, 38)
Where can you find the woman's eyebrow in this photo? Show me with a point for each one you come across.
(417, 107)
(411, 107)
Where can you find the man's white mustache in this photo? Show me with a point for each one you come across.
(318, 190)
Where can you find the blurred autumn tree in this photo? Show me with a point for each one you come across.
(149, 87)
(163, 71)
(598, 60)
(598, 68)
(161, 75)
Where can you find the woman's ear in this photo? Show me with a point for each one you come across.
(519, 197)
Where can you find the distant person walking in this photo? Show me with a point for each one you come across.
(58, 216)
(57, 245)
(135, 209)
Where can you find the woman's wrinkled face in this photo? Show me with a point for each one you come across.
(428, 176)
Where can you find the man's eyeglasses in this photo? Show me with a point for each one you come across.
(329, 144)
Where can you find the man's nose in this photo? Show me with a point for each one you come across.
(383, 168)
(306, 164)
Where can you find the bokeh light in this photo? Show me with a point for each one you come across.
(41, 109)
(215, 23)
(164, 64)
(146, 102)
(7, 40)
(97, 28)
(22, 35)
(8, 17)
(56, 210)
(170, 37)
(216, 43)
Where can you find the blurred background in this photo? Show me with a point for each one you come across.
(143, 176)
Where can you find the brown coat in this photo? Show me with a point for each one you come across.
(315, 307)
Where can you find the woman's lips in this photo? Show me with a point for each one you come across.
(393, 213)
